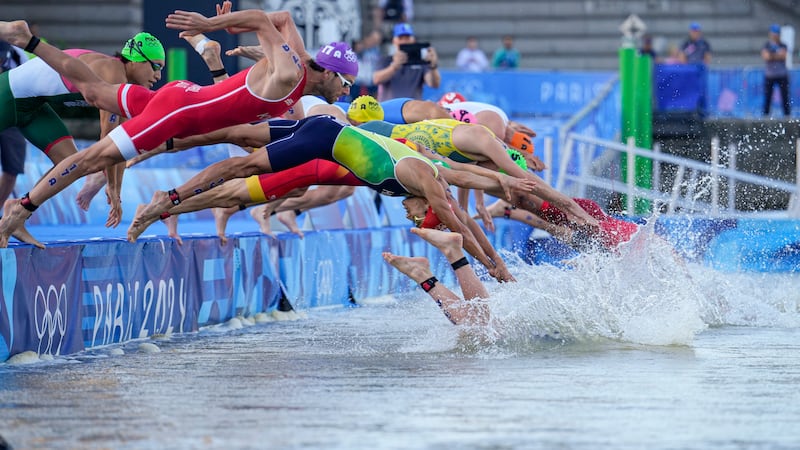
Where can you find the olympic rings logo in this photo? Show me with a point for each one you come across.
(51, 322)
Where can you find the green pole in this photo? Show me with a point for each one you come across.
(644, 128)
(627, 56)
(176, 64)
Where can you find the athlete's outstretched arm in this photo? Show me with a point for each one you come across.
(419, 178)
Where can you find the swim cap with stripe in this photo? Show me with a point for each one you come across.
(142, 47)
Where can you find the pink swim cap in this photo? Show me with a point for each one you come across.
(463, 115)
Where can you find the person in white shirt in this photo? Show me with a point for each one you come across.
(471, 58)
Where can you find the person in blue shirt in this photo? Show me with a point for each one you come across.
(775, 72)
(696, 50)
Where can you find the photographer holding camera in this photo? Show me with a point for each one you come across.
(412, 64)
(774, 55)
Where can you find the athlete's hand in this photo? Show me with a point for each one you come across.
(534, 163)
(115, 213)
(254, 52)
(510, 183)
(502, 274)
(191, 23)
(225, 8)
(516, 126)
(485, 216)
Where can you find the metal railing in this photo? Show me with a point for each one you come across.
(696, 187)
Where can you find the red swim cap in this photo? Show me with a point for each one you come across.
(450, 98)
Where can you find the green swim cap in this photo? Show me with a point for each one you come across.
(142, 47)
(517, 158)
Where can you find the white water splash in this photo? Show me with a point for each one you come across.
(644, 295)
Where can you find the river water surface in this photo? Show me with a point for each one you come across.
(632, 351)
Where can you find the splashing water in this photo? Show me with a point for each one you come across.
(644, 294)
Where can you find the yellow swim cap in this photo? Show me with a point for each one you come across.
(365, 108)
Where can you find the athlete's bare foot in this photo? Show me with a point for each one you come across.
(160, 203)
(221, 216)
(498, 208)
(23, 235)
(14, 217)
(447, 242)
(15, 33)
(289, 220)
(417, 268)
(261, 215)
(172, 228)
(94, 182)
(138, 225)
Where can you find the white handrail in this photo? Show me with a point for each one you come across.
(703, 182)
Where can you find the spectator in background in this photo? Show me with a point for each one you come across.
(673, 55)
(696, 50)
(12, 143)
(392, 12)
(399, 76)
(368, 50)
(471, 58)
(506, 57)
(775, 72)
(647, 48)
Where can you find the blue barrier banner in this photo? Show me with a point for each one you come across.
(214, 287)
(136, 291)
(525, 93)
(740, 93)
(314, 269)
(256, 286)
(680, 88)
(40, 309)
(369, 275)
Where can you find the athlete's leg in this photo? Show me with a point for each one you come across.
(94, 89)
(451, 246)
(419, 110)
(418, 269)
(293, 144)
(492, 121)
(321, 196)
(97, 157)
(231, 194)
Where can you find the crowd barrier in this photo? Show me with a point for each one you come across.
(716, 92)
(85, 294)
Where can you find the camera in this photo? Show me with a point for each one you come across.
(416, 52)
